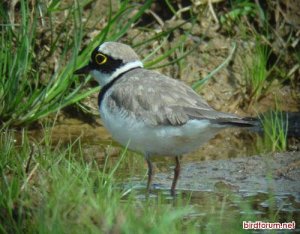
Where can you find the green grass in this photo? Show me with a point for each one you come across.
(275, 126)
(238, 10)
(256, 72)
(49, 188)
(252, 26)
(29, 93)
(23, 96)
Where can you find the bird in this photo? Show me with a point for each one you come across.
(149, 112)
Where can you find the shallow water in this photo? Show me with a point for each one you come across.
(224, 173)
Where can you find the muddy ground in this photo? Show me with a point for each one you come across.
(276, 173)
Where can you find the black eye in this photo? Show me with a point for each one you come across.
(100, 58)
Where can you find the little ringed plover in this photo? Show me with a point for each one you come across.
(152, 113)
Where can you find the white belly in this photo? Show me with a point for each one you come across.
(157, 140)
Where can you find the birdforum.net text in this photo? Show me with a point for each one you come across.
(267, 225)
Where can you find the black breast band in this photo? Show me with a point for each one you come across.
(106, 87)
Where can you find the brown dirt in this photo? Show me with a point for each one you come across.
(226, 91)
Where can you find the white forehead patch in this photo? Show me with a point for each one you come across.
(102, 46)
(118, 50)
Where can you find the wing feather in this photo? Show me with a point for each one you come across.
(159, 100)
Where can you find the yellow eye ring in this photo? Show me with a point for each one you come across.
(100, 58)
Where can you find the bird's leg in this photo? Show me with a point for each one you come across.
(176, 175)
(150, 172)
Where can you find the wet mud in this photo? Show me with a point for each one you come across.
(277, 173)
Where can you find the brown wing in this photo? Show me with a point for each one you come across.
(159, 100)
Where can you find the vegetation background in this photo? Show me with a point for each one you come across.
(242, 56)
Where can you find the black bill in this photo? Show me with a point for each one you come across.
(84, 70)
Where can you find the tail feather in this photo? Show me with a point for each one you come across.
(240, 122)
(291, 122)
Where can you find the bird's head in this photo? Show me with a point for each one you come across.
(109, 60)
